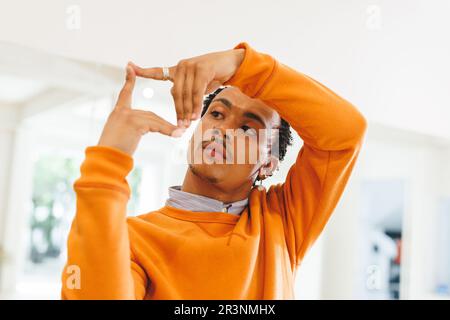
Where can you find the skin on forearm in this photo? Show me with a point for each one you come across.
(239, 55)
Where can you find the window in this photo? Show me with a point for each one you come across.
(52, 208)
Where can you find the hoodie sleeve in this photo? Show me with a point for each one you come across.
(332, 130)
(100, 263)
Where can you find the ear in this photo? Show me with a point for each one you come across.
(269, 167)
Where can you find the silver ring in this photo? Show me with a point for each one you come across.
(166, 74)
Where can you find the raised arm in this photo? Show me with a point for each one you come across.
(332, 130)
(100, 263)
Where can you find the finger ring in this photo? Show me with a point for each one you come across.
(166, 74)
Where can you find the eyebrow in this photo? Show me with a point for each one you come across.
(250, 115)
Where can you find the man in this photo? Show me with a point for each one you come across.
(217, 237)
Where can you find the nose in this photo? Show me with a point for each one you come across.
(226, 128)
(222, 134)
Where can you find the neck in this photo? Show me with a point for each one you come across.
(198, 185)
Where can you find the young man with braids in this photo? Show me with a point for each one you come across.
(217, 236)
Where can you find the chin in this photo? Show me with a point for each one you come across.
(211, 172)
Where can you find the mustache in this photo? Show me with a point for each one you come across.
(219, 142)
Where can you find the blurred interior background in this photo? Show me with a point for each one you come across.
(62, 64)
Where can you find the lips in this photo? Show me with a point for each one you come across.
(215, 149)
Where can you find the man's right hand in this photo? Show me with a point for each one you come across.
(125, 126)
(194, 77)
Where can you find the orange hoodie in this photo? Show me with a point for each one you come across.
(177, 254)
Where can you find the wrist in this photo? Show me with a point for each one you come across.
(234, 59)
(103, 166)
(239, 55)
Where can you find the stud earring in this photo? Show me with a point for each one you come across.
(261, 187)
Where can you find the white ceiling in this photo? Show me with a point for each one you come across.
(398, 73)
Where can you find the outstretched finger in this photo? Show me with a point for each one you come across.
(177, 94)
(154, 73)
(187, 95)
(125, 95)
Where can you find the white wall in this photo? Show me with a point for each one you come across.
(388, 154)
(8, 117)
(15, 185)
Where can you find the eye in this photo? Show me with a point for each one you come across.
(248, 130)
(216, 114)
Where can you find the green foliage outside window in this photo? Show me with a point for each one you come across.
(53, 204)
